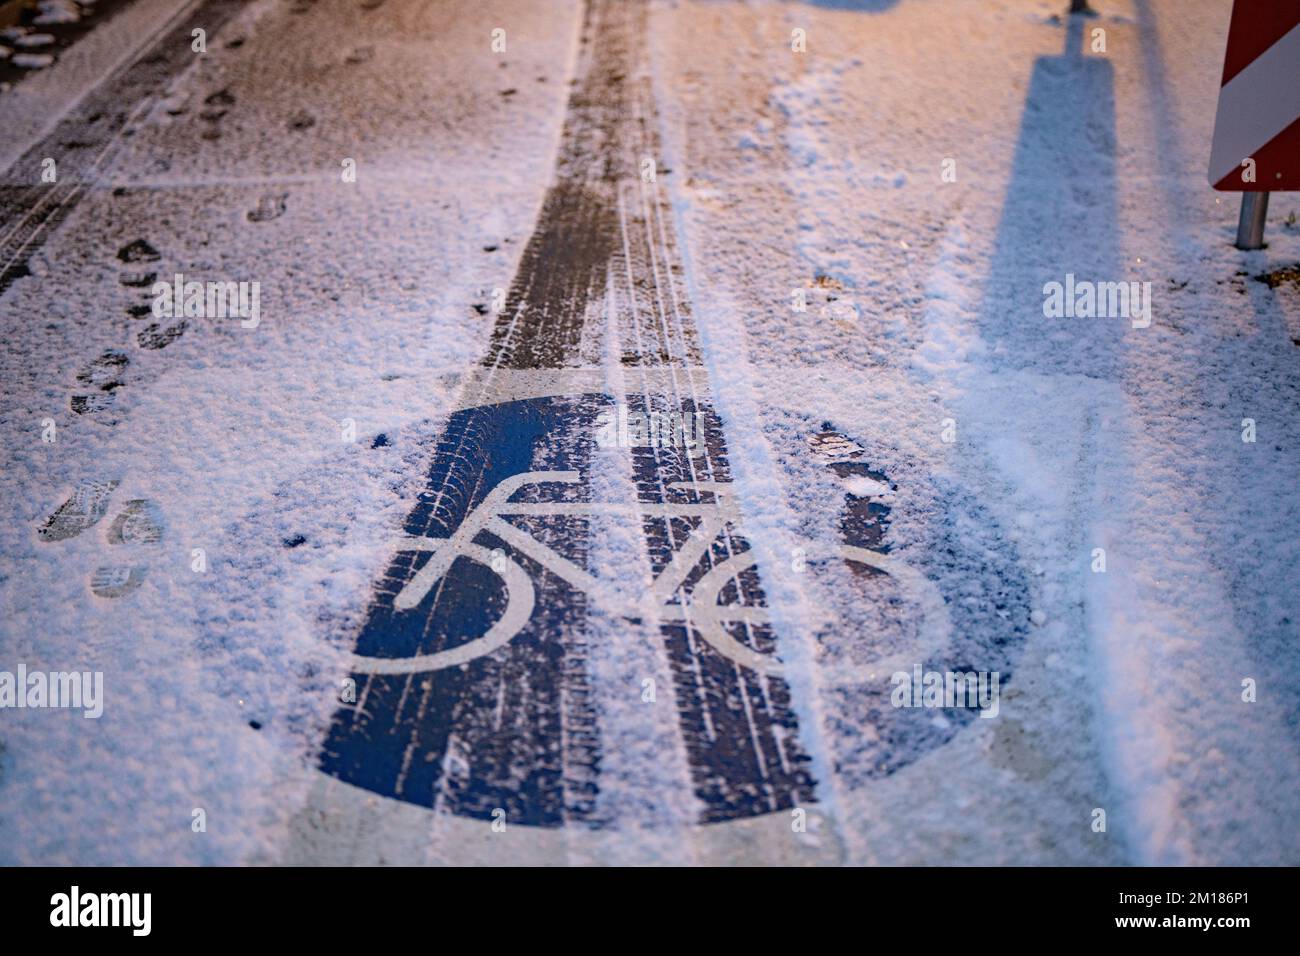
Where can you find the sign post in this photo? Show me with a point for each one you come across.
(1256, 148)
(1250, 227)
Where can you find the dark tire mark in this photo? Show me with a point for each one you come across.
(515, 729)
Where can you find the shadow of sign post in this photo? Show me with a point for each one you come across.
(1059, 217)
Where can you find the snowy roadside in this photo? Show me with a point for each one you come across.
(34, 34)
(285, 453)
(252, 478)
(32, 107)
(1071, 435)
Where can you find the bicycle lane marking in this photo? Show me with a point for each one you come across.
(515, 730)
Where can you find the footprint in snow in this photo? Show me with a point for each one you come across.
(215, 106)
(138, 251)
(865, 515)
(269, 207)
(157, 336)
(137, 529)
(137, 280)
(88, 503)
(139, 525)
(106, 374)
(92, 405)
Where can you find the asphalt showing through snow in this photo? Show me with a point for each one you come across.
(478, 691)
(515, 730)
(475, 679)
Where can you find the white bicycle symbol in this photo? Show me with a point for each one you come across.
(699, 610)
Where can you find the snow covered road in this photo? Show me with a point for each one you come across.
(639, 399)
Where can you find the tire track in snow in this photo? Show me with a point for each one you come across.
(514, 731)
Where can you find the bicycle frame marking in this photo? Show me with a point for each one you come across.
(698, 610)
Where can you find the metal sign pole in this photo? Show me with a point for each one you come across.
(1250, 227)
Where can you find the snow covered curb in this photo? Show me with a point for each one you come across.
(31, 109)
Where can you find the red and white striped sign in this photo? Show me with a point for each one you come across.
(1259, 100)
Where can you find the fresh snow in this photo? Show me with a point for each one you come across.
(816, 171)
